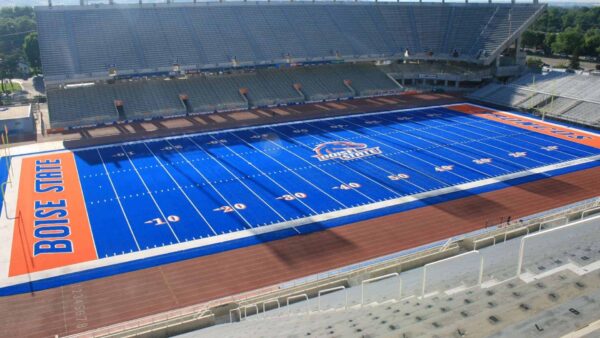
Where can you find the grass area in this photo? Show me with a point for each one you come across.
(8, 87)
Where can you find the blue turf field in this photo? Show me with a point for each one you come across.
(152, 194)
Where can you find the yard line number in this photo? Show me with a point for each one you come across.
(398, 177)
(348, 186)
(231, 208)
(160, 221)
(291, 197)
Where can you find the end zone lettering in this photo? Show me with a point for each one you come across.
(52, 229)
(51, 225)
(48, 176)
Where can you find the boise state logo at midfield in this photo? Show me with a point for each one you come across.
(344, 150)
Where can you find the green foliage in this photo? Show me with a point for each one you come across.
(574, 61)
(535, 63)
(16, 23)
(32, 51)
(566, 30)
(532, 39)
(569, 41)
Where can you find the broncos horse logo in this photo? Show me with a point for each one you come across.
(343, 150)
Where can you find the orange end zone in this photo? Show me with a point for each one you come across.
(52, 228)
(550, 129)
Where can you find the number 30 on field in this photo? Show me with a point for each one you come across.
(291, 197)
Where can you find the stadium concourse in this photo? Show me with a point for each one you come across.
(194, 158)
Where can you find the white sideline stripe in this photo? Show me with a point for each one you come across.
(180, 189)
(119, 201)
(7, 226)
(32, 149)
(151, 195)
(284, 225)
(210, 184)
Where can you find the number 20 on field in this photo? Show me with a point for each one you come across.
(231, 208)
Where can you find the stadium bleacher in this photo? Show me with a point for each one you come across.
(153, 37)
(220, 92)
(536, 278)
(561, 95)
(212, 41)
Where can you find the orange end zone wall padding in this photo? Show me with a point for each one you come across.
(550, 129)
(52, 228)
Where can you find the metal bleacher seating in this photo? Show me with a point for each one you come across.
(81, 105)
(555, 291)
(143, 99)
(85, 44)
(566, 96)
(151, 37)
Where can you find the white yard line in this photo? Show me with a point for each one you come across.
(447, 147)
(119, 201)
(237, 178)
(151, 195)
(210, 184)
(181, 190)
(500, 139)
(292, 171)
(530, 133)
(367, 160)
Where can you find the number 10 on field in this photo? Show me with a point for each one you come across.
(161, 221)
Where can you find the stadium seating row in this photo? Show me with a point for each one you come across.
(140, 99)
(566, 96)
(85, 42)
(556, 292)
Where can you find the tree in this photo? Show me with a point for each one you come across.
(32, 51)
(535, 63)
(568, 41)
(533, 39)
(548, 41)
(574, 62)
(591, 42)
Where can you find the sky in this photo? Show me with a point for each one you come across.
(75, 2)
